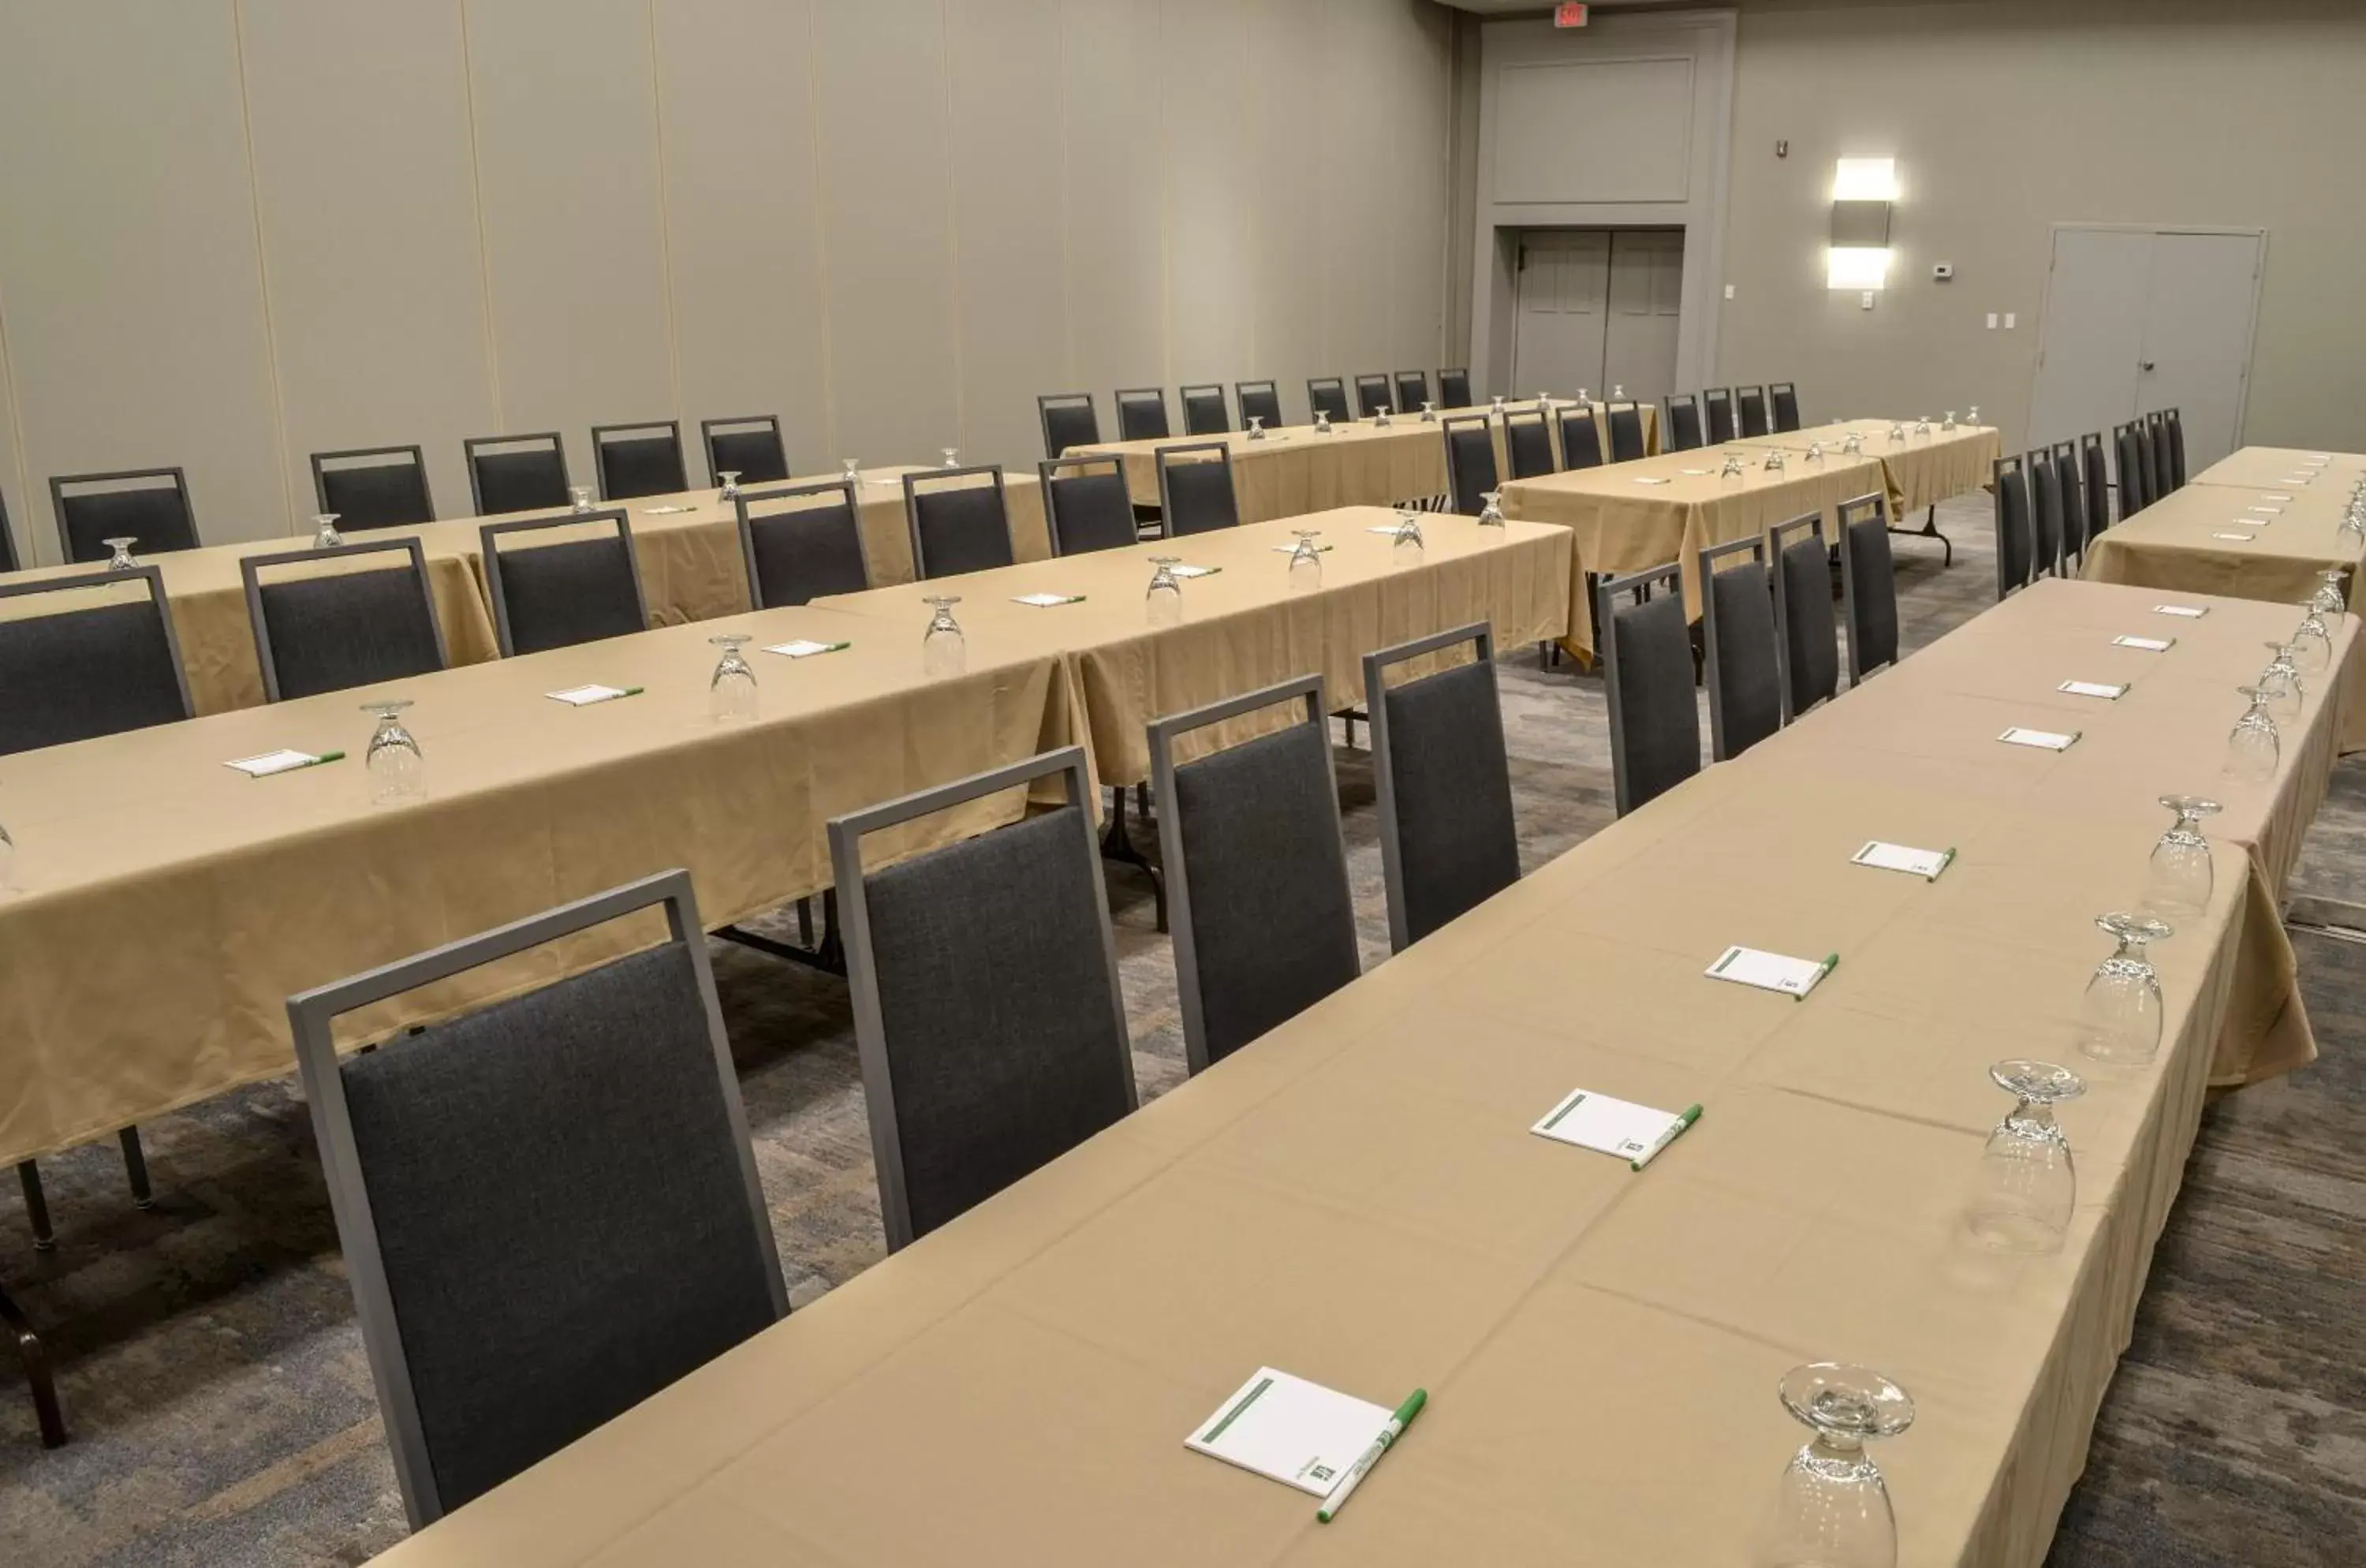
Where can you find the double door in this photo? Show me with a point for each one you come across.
(1598, 309)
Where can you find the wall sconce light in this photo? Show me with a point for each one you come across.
(1863, 190)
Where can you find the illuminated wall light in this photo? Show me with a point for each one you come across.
(1857, 267)
(1862, 189)
(1865, 179)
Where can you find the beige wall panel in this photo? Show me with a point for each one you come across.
(365, 185)
(1205, 102)
(1420, 67)
(1363, 218)
(567, 168)
(16, 495)
(127, 262)
(736, 101)
(1115, 216)
(1282, 183)
(1010, 277)
(886, 202)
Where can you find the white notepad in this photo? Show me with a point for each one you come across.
(1290, 1430)
(805, 648)
(2104, 688)
(1382, 528)
(1292, 549)
(2267, 511)
(2235, 538)
(1605, 1126)
(2044, 739)
(664, 511)
(1696, 471)
(1924, 864)
(1771, 971)
(1197, 571)
(2148, 644)
(272, 763)
(1046, 600)
(2296, 479)
(1647, 479)
(584, 696)
(2188, 611)
(2272, 496)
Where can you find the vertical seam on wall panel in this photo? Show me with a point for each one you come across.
(32, 551)
(821, 228)
(952, 232)
(665, 220)
(476, 207)
(1445, 201)
(1256, 187)
(262, 266)
(1067, 250)
(1166, 206)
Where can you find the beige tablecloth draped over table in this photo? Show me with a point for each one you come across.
(1923, 469)
(1356, 1197)
(2269, 468)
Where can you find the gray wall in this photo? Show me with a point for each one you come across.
(2007, 118)
(285, 226)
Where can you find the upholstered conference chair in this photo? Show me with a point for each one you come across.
(1528, 442)
(1683, 415)
(517, 473)
(1741, 664)
(958, 523)
(322, 626)
(1469, 460)
(800, 542)
(1868, 585)
(2015, 532)
(148, 506)
(547, 596)
(1069, 420)
(1372, 395)
(1454, 389)
(374, 486)
(746, 445)
(640, 459)
(1142, 413)
(1412, 390)
(1203, 409)
(1647, 680)
(1803, 614)
(1581, 437)
(1195, 488)
(1259, 401)
(1327, 395)
(1086, 504)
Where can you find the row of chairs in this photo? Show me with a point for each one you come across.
(1530, 448)
(1769, 648)
(1072, 419)
(580, 1154)
(1728, 413)
(2050, 503)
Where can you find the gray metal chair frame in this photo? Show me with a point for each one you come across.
(152, 576)
(1481, 636)
(1539, 445)
(1373, 394)
(647, 428)
(1813, 524)
(1873, 506)
(1782, 407)
(418, 464)
(7, 538)
(1459, 376)
(1713, 634)
(251, 570)
(313, 1015)
(708, 429)
(1716, 416)
(488, 535)
(1266, 395)
(1196, 401)
(474, 446)
(912, 483)
(1049, 403)
(1411, 390)
(1674, 436)
(1585, 452)
(846, 835)
(57, 483)
(841, 488)
(1050, 469)
(1169, 458)
(1606, 609)
(1307, 690)
(1327, 394)
(1134, 419)
(2016, 526)
(1626, 419)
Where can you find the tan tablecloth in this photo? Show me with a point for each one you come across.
(1293, 471)
(171, 905)
(1357, 1197)
(691, 570)
(1243, 628)
(2268, 468)
(1629, 516)
(1923, 470)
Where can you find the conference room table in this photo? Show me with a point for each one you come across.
(2281, 468)
(1294, 470)
(1924, 468)
(686, 545)
(1357, 1197)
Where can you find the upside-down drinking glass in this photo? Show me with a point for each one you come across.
(2120, 1015)
(1922, 424)
(1617, 390)
(850, 469)
(943, 650)
(121, 560)
(1854, 446)
(1732, 466)
(1497, 405)
(581, 499)
(731, 689)
(1257, 427)
(1973, 418)
(1774, 460)
(1381, 417)
(2280, 680)
(1306, 561)
(397, 771)
(953, 456)
(1491, 509)
(2253, 745)
(1815, 451)
(1898, 432)
(730, 477)
(1429, 413)
(1405, 549)
(2026, 1190)
(1832, 1508)
(1164, 600)
(324, 531)
(2178, 878)
(2312, 642)
(2330, 598)
(1322, 422)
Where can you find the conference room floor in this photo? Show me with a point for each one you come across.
(224, 1410)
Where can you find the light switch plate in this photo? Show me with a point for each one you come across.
(2008, 321)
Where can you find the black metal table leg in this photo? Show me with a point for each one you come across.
(1930, 530)
(37, 1205)
(829, 955)
(38, 1375)
(1118, 845)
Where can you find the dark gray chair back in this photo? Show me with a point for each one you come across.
(1454, 389)
(800, 542)
(374, 486)
(1647, 681)
(1716, 410)
(1372, 395)
(957, 524)
(986, 1008)
(2096, 481)
(1750, 403)
(2156, 426)
(548, 1207)
(334, 630)
(1069, 420)
(1683, 433)
(1804, 622)
(1086, 504)
(2046, 515)
(2136, 469)
(1581, 437)
(1327, 394)
(1195, 488)
(746, 445)
(1528, 442)
(1868, 585)
(1204, 413)
(1142, 413)
(558, 595)
(8, 562)
(1449, 841)
(2016, 547)
(149, 505)
(517, 473)
(1469, 460)
(1412, 390)
(1626, 421)
(1740, 661)
(639, 459)
(2173, 429)
(77, 673)
(1261, 401)
(1786, 398)
(1257, 875)
(2065, 458)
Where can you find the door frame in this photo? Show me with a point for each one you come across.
(2250, 329)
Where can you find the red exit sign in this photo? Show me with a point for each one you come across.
(1570, 13)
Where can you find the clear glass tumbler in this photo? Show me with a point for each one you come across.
(1323, 420)
(731, 689)
(2253, 745)
(120, 560)
(2280, 679)
(2331, 597)
(581, 495)
(1163, 599)
(1257, 427)
(397, 772)
(850, 469)
(2312, 641)
(2120, 1016)
(1306, 561)
(1832, 1508)
(324, 531)
(1407, 548)
(951, 455)
(2178, 878)
(943, 650)
(1429, 413)
(1491, 509)
(730, 490)
(2027, 1187)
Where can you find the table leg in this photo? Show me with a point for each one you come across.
(1930, 530)
(1118, 845)
(38, 1376)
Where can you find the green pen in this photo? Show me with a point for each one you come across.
(631, 691)
(1690, 1114)
(1831, 961)
(326, 757)
(1397, 1422)
(1944, 862)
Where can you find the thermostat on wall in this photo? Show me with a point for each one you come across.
(1943, 273)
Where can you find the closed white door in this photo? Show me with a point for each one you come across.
(2093, 336)
(1647, 293)
(1564, 285)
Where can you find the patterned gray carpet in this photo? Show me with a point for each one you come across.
(223, 1407)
